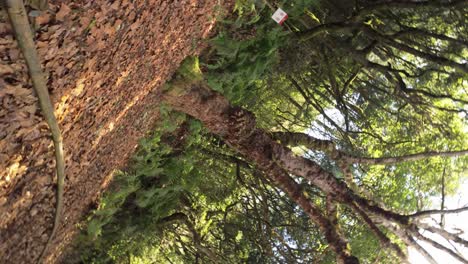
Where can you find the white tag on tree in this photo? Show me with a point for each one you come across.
(279, 16)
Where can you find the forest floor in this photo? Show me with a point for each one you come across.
(104, 61)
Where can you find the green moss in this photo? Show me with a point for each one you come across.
(190, 69)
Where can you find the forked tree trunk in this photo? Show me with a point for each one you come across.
(238, 128)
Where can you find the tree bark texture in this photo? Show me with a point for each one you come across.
(238, 128)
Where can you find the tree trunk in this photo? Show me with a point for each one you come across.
(237, 127)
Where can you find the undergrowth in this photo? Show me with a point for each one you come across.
(149, 191)
(247, 48)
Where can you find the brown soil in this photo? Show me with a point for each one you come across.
(104, 61)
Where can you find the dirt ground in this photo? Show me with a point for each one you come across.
(104, 60)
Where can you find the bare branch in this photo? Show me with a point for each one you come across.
(439, 246)
(327, 146)
(317, 30)
(410, 157)
(421, 250)
(408, 240)
(445, 234)
(383, 239)
(424, 33)
(430, 212)
(462, 68)
(405, 4)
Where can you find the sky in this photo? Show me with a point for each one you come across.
(459, 221)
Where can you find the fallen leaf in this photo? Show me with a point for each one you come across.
(30, 109)
(26, 123)
(14, 54)
(109, 29)
(5, 69)
(16, 90)
(115, 5)
(4, 28)
(43, 19)
(63, 12)
(24, 132)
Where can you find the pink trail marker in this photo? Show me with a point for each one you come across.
(279, 16)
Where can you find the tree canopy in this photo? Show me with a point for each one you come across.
(321, 141)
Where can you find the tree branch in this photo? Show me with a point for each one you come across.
(421, 250)
(383, 239)
(440, 246)
(238, 129)
(179, 216)
(327, 146)
(445, 234)
(430, 212)
(462, 68)
(405, 4)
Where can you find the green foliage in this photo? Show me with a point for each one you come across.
(246, 49)
(247, 12)
(151, 186)
(190, 69)
(240, 63)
